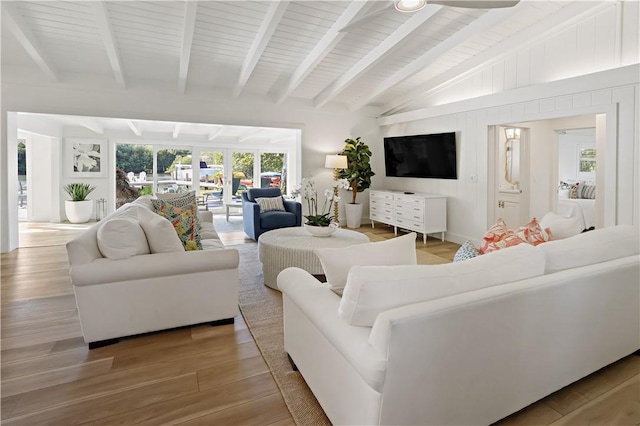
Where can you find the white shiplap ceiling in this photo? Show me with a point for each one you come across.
(278, 51)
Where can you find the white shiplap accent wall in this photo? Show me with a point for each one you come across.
(613, 92)
(587, 46)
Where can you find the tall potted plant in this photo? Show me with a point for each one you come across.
(359, 174)
(78, 209)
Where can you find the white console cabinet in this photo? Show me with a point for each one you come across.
(422, 213)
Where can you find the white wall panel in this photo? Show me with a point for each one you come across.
(536, 63)
(605, 39)
(523, 68)
(630, 33)
(469, 203)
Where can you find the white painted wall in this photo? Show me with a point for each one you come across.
(611, 92)
(322, 132)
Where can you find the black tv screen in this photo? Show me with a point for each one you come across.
(421, 156)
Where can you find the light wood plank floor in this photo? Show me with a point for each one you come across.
(198, 375)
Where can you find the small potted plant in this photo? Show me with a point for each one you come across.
(78, 209)
(359, 174)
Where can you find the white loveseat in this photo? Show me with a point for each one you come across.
(128, 295)
(463, 343)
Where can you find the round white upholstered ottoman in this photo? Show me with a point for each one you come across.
(286, 247)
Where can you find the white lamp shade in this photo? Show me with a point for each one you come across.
(336, 162)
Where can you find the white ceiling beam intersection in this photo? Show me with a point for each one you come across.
(265, 32)
(377, 54)
(488, 20)
(320, 50)
(215, 132)
(574, 12)
(190, 8)
(176, 130)
(91, 124)
(136, 131)
(28, 40)
(104, 25)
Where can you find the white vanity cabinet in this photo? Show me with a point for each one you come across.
(422, 213)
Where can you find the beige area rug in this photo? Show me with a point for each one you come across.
(261, 308)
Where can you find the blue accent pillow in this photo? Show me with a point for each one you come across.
(466, 251)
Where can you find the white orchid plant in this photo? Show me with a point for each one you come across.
(319, 216)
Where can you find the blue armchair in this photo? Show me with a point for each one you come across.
(256, 222)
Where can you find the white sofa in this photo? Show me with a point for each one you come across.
(131, 294)
(463, 343)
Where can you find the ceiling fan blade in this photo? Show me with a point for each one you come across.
(476, 4)
(366, 19)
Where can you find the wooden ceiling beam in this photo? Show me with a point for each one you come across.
(190, 8)
(488, 20)
(320, 50)
(27, 39)
(104, 25)
(265, 32)
(376, 55)
(136, 131)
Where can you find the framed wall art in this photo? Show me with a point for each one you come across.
(86, 157)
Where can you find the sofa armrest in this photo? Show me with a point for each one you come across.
(205, 216)
(295, 208)
(146, 266)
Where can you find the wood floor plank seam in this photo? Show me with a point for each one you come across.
(41, 412)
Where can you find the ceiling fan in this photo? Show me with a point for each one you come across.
(408, 6)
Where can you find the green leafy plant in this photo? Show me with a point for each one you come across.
(358, 171)
(79, 191)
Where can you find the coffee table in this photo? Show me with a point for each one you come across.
(286, 247)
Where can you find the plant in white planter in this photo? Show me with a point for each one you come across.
(359, 174)
(78, 209)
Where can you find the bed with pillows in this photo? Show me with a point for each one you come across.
(577, 199)
(153, 264)
(468, 342)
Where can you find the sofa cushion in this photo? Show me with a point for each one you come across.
(533, 233)
(371, 290)
(121, 237)
(499, 237)
(182, 212)
(561, 227)
(336, 262)
(600, 245)
(268, 204)
(274, 220)
(161, 235)
(144, 201)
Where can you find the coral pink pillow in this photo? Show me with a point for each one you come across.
(499, 237)
(533, 233)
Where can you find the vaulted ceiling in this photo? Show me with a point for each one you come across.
(320, 52)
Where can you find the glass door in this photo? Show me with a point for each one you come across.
(212, 179)
(243, 167)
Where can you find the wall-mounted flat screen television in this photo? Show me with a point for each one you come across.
(421, 156)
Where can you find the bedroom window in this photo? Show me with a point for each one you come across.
(586, 163)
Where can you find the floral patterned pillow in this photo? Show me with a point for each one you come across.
(533, 233)
(499, 237)
(184, 219)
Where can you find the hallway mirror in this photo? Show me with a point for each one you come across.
(512, 156)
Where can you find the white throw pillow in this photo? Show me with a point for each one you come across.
(121, 236)
(336, 262)
(371, 290)
(271, 204)
(561, 227)
(161, 235)
(600, 245)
